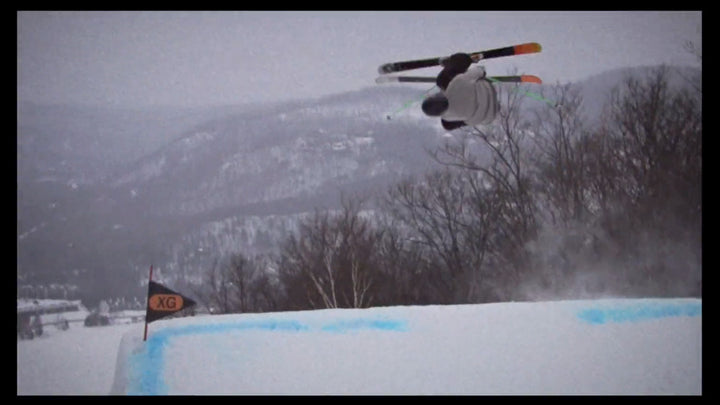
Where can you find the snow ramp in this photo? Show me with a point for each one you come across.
(608, 346)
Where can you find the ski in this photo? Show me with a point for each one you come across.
(516, 79)
(405, 79)
(430, 79)
(520, 49)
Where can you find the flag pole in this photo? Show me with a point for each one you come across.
(147, 304)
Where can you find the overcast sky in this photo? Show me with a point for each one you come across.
(210, 58)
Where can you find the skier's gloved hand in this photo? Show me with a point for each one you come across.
(475, 73)
(478, 72)
(454, 65)
(459, 61)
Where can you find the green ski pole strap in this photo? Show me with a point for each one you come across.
(530, 94)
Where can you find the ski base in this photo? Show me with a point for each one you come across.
(519, 49)
(429, 79)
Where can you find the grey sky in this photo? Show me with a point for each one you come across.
(210, 58)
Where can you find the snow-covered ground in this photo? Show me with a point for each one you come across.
(610, 346)
(78, 361)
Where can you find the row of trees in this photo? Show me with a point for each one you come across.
(541, 205)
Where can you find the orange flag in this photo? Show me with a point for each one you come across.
(163, 301)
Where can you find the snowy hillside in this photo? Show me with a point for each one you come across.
(107, 193)
(610, 346)
(235, 166)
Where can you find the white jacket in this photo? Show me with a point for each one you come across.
(471, 99)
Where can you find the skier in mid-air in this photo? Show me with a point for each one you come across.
(467, 97)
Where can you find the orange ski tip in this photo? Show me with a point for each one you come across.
(530, 47)
(531, 79)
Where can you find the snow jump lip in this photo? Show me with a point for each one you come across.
(147, 365)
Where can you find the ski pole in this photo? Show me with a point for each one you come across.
(410, 102)
(530, 94)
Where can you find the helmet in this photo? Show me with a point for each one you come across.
(435, 105)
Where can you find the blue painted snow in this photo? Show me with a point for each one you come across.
(358, 324)
(639, 312)
(147, 366)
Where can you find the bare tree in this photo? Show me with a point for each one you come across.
(215, 292)
(240, 276)
(266, 288)
(655, 210)
(499, 158)
(238, 284)
(561, 159)
(330, 263)
(624, 195)
(659, 135)
(695, 82)
(402, 265)
(434, 210)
